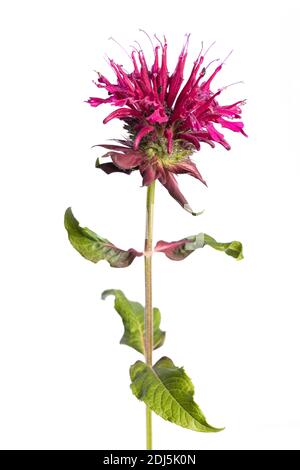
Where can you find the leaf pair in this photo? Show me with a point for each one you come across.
(95, 248)
(164, 388)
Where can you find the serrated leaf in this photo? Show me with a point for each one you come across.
(95, 248)
(182, 248)
(169, 392)
(132, 314)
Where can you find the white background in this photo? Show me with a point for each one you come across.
(233, 325)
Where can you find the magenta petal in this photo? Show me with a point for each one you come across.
(97, 101)
(144, 72)
(217, 136)
(187, 88)
(169, 135)
(121, 102)
(177, 77)
(144, 131)
(163, 73)
(190, 138)
(155, 67)
(158, 116)
(233, 126)
(121, 113)
(206, 85)
(103, 80)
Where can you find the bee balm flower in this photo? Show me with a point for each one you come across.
(167, 121)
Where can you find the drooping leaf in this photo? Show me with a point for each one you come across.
(182, 248)
(169, 392)
(95, 248)
(132, 314)
(234, 248)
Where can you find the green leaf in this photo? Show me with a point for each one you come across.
(169, 392)
(95, 248)
(132, 314)
(182, 248)
(234, 249)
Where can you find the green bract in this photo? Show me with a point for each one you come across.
(159, 150)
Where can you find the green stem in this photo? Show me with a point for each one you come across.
(148, 298)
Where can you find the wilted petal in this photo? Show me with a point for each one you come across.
(148, 173)
(190, 138)
(128, 143)
(109, 168)
(126, 161)
(118, 148)
(171, 185)
(188, 167)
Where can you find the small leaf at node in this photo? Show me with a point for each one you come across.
(132, 314)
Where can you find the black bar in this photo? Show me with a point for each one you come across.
(93, 459)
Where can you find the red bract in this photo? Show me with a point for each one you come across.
(166, 122)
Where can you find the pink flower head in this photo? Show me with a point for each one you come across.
(166, 120)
